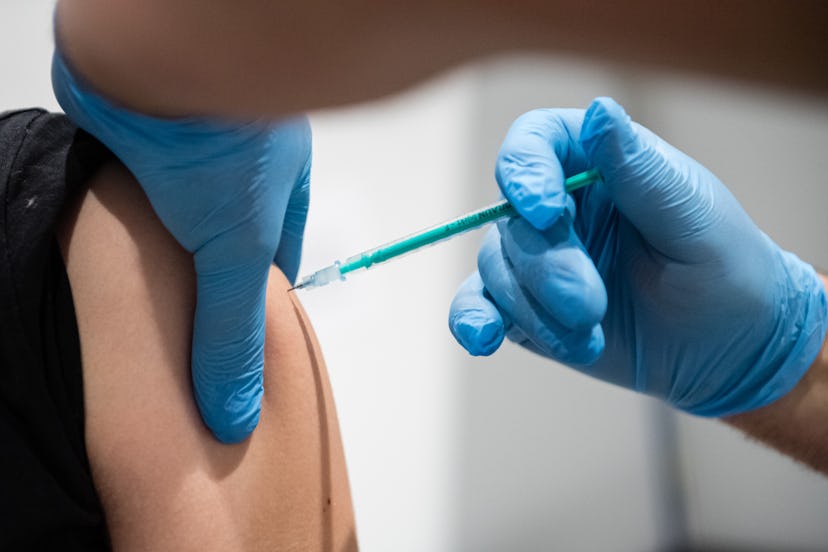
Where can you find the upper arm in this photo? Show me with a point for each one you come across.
(254, 59)
(164, 481)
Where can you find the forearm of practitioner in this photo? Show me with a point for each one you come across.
(796, 424)
(252, 58)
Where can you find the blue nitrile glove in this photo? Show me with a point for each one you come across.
(236, 196)
(700, 307)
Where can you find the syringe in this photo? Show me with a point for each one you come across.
(429, 236)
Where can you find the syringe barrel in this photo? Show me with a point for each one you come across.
(322, 277)
(428, 237)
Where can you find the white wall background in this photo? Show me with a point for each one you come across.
(379, 173)
(514, 453)
(26, 54)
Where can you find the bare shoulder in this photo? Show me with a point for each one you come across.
(165, 483)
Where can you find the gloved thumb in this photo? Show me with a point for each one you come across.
(228, 342)
(666, 195)
(474, 320)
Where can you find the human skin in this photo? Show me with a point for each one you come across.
(251, 58)
(165, 483)
(796, 424)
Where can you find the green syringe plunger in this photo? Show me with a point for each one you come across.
(429, 236)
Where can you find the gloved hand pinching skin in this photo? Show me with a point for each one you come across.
(654, 279)
(236, 196)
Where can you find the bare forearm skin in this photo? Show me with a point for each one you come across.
(796, 424)
(255, 58)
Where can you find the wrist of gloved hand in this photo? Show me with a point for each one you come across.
(797, 333)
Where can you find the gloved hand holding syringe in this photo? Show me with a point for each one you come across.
(429, 236)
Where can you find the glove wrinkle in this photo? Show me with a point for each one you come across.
(696, 305)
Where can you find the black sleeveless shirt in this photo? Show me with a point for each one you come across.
(47, 499)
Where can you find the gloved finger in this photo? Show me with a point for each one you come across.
(474, 320)
(540, 148)
(289, 254)
(666, 195)
(554, 267)
(516, 336)
(228, 342)
(578, 347)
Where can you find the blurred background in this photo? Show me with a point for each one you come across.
(448, 452)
